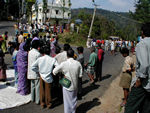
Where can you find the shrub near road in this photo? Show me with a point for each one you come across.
(73, 39)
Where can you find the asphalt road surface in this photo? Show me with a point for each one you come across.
(7, 26)
(111, 68)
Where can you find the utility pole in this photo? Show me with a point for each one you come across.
(92, 21)
(89, 35)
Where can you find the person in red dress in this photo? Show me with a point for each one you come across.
(100, 55)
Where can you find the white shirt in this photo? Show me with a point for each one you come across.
(20, 39)
(112, 45)
(33, 55)
(72, 69)
(30, 29)
(106, 42)
(44, 65)
(61, 57)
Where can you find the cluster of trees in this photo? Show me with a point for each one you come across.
(142, 11)
(9, 8)
(107, 23)
(104, 27)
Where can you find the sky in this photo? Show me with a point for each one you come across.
(112, 5)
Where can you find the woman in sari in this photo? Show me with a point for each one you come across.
(2, 66)
(22, 63)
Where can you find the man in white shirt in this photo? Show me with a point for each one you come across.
(112, 47)
(21, 38)
(61, 57)
(33, 55)
(139, 97)
(72, 69)
(44, 65)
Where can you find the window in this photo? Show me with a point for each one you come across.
(47, 10)
(57, 11)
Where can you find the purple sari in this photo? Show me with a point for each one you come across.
(22, 63)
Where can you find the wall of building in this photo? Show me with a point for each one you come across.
(54, 12)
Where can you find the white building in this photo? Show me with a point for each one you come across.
(56, 13)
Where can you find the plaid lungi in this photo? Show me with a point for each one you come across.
(91, 70)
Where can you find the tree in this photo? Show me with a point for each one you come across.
(142, 11)
(2, 3)
(45, 9)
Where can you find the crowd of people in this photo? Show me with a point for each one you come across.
(40, 64)
(139, 96)
(114, 45)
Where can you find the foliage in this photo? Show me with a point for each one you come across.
(73, 39)
(142, 12)
(2, 4)
(106, 24)
(6, 7)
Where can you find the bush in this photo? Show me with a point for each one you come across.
(73, 39)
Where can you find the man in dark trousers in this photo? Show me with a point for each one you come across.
(139, 97)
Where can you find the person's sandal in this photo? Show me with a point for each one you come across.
(122, 104)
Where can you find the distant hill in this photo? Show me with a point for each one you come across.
(121, 19)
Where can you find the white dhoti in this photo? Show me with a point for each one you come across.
(70, 101)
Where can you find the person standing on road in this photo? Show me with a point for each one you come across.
(14, 59)
(139, 97)
(126, 75)
(72, 69)
(44, 65)
(112, 46)
(33, 55)
(4, 45)
(22, 64)
(2, 66)
(20, 38)
(80, 58)
(61, 57)
(100, 55)
(92, 65)
(106, 45)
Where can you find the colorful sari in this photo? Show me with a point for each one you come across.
(22, 63)
(2, 67)
(3, 46)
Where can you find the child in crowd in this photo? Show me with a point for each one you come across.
(14, 59)
(126, 75)
(44, 65)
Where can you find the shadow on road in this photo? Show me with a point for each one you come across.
(83, 108)
(88, 89)
(9, 82)
(106, 76)
(86, 81)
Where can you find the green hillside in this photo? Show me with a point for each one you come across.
(121, 19)
(108, 23)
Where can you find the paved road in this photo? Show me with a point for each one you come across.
(7, 26)
(111, 69)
